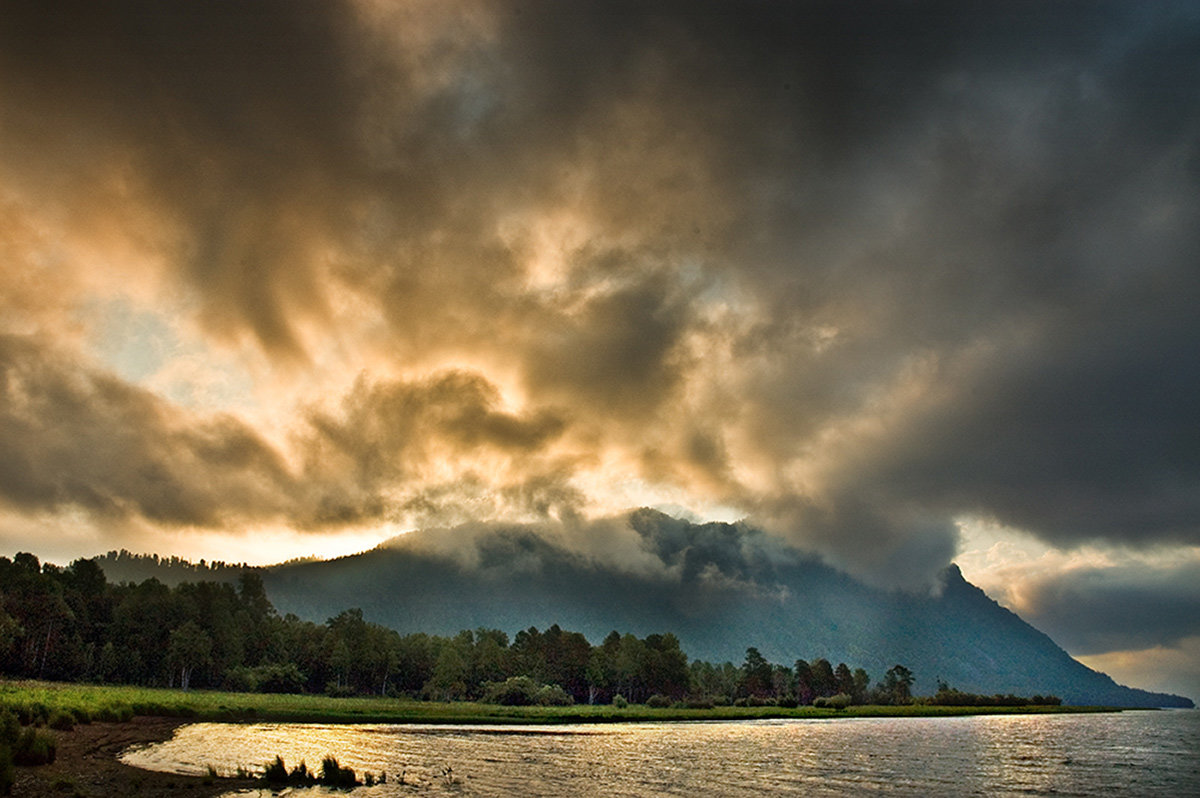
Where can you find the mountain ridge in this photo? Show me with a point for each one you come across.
(718, 587)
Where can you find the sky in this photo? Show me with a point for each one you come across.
(903, 283)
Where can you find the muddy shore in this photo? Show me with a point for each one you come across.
(87, 766)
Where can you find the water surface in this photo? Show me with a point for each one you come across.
(1130, 753)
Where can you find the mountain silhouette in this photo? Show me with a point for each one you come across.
(718, 587)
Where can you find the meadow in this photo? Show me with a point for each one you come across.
(38, 701)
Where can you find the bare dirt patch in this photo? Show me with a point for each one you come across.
(88, 766)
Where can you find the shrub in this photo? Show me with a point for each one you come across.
(516, 691)
(551, 695)
(63, 721)
(279, 678)
(35, 747)
(240, 680)
(699, 703)
(619, 701)
(788, 702)
(658, 701)
(839, 701)
(335, 690)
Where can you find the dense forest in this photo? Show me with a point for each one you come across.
(72, 624)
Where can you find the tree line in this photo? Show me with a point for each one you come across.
(72, 624)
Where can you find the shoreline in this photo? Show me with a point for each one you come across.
(88, 765)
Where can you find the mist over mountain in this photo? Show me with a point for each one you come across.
(718, 587)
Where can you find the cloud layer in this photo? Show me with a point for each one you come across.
(851, 271)
(1097, 610)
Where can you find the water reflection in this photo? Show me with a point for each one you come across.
(1134, 753)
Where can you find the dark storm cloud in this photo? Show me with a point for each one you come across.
(73, 438)
(1123, 608)
(228, 122)
(1089, 436)
(614, 354)
(1032, 265)
(855, 268)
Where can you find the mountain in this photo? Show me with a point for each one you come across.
(718, 587)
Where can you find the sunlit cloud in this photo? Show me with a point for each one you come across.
(1174, 668)
(1127, 612)
(329, 269)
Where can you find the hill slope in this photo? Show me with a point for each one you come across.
(718, 587)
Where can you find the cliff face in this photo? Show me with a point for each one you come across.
(720, 588)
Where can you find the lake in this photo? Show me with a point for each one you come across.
(1128, 753)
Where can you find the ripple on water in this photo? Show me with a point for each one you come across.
(1133, 753)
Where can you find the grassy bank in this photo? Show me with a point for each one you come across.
(87, 702)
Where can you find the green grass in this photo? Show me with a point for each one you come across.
(119, 702)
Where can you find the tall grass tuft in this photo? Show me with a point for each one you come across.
(276, 772)
(62, 721)
(333, 775)
(35, 747)
(8, 773)
(300, 775)
(10, 730)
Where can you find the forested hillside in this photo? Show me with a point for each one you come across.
(718, 587)
(391, 620)
(71, 624)
(126, 566)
